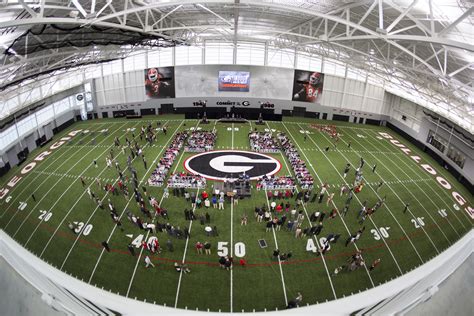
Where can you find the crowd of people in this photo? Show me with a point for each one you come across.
(276, 183)
(331, 130)
(158, 176)
(263, 142)
(200, 141)
(303, 176)
(186, 180)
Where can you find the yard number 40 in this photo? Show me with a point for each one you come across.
(223, 250)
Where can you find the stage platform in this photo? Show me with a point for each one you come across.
(232, 120)
(242, 187)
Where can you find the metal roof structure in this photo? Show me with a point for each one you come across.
(423, 46)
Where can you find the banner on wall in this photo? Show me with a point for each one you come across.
(159, 82)
(81, 105)
(308, 86)
(234, 81)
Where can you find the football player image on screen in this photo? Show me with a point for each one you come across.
(159, 83)
(308, 86)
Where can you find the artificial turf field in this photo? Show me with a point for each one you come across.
(403, 241)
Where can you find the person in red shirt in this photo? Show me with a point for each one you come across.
(204, 195)
(279, 208)
(199, 246)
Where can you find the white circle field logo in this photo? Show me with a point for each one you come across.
(229, 164)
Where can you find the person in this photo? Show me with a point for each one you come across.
(199, 247)
(181, 267)
(131, 248)
(95, 163)
(244, 220)
(221, 203)
(379, 185)
(169, 245)
(214, 201)
(105, 245)
(148, 262)
(373, 168)
(222, 261)
(406, 208)
(337, 270)
(330, 198)
(374, 264)
(349, 145)
(346, 170)
(276, 254)
(269, 226)
(82, 181)
(207, 248)
(73, 227)
(33, 197)
(295, 302)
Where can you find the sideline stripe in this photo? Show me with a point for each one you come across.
(38, 186)
(436, 193)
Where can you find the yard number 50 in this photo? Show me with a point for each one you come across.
(223, 250)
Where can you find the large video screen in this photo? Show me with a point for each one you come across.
(159, 82)
(234, 81)
(308, 86)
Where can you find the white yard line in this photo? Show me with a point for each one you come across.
(411, 193)
(11, 203)
(386, 206)
(320, 180)
(52, 187)
(184, 257)
(232, 144)
(146, 237)
(95, 210)
(436, 193)
(278, 257)
(125, 208)
(187, 241)
(30, 182)
(315, 239)
(72, 207)
(403, 202)
(232, 241)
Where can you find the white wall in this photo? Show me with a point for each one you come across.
(266, 84)
(418, 125)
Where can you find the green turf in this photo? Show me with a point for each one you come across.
(264, 283)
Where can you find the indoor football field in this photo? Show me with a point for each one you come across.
(50, 212)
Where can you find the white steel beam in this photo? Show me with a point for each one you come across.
(27, 8)
(166, 15)
(460, 69)
(213, 13)
(401, 16)
(456, 22)
(381, 14)
(366, 14)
